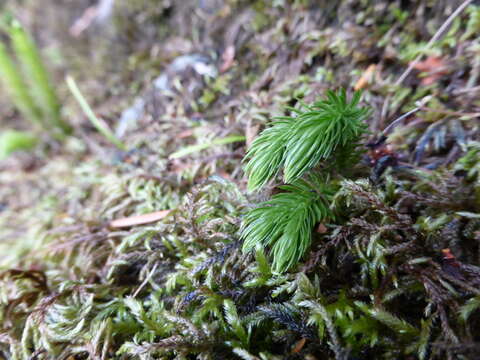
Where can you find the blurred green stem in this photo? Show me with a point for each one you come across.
(15, 86)
(34, 70)
(99, 124)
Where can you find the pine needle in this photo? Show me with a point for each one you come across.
(199, 147)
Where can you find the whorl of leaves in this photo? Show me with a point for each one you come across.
(285, 222)
(299, 143)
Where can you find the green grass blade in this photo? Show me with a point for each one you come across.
(38, 79)
(199, 147)
(13, 140)
(99, 125)
(15, 86)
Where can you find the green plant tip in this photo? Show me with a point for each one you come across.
(13, 140)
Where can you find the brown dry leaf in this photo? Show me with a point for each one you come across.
(184, 134)
(299, 346)
(82, 23)
(225, 175)
(366, 77)
(434, 67)
(177, 166)
(321, 229)
(251, 133)
(139, 219)
(228, 58)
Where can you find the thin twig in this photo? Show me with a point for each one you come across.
(435, 37)
(147, 279)
(451, 113)
(466, 90)
(412, 65)
(420, 104)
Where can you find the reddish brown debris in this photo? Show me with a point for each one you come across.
(139, 219)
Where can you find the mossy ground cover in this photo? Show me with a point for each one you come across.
(395, 276)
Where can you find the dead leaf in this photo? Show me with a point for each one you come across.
(299, 346)
(225, 175)
(251, 133)
(321, 229)
(177, 166)
(184, 134)
(450, 265)
(228, 58)
(139, 219)
(366, 77)
(84, 21)
(434, 67)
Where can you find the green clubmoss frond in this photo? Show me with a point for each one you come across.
(299, 143)
(267, 153)
(324, 126)
(285, 222)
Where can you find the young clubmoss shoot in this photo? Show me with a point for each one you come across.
(298, 144)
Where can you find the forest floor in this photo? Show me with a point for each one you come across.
(135, 254)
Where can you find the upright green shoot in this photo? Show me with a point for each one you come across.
(14, 85)
(285, 222)
(26, 80)
(99, 124)
(297, 144)
(34, 70)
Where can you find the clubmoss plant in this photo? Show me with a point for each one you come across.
(322, 135)
(298, 143)
(286, 221)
